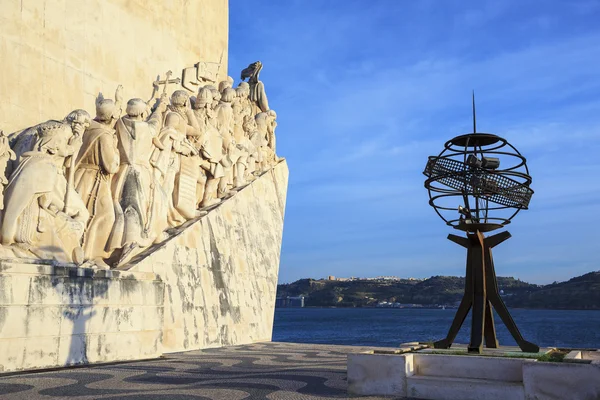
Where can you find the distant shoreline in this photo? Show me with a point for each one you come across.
(579, 293)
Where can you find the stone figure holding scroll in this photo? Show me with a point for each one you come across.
(95, 166)
(37, 217)
(141, 217)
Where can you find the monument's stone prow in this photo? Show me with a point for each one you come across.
(213, 284)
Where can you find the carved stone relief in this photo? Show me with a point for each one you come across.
(97, 192)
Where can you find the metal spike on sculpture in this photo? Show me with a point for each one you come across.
(471, 192)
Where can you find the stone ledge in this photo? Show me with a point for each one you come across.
(435, 376)
(47, 267)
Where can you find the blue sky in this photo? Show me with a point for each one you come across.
(366, 90)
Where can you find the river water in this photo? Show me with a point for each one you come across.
(391, 326)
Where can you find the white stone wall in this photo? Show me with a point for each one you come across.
(56, 55)
(58, 315)
(221, 273)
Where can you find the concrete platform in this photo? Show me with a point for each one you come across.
(257, 371)
(498, 374)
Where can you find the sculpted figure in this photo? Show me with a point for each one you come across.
(79, 120)
(232, 151)
(175, 159)
(24, 141)
(95, 165)
(6, 154)
(36, 216)
(271, 125)
(140, 196)
(267, 156)
(242, 107)
(226, 84)
(252, 137)
(257, 88)
(210, 146)
(216, 95)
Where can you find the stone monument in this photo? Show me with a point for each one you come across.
(153, 227)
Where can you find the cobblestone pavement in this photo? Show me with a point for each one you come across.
(274, 371)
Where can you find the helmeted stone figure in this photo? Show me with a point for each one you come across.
(95, 166)
(36, 217)
(142, 201)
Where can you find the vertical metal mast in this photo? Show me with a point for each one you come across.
(474, 120)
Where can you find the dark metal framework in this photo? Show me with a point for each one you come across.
(467, 171)
(450, 175)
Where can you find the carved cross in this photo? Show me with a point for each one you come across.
(165, 82)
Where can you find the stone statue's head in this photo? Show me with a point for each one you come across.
(243, 89)
(204, 98)
(216, 94)
(271, 120)
(180, 98)
(252, 71)
(227, 83)
(105, 111)
(228, 95)
(79, 120)
(53, 138)
(136, 108)
(262, 121)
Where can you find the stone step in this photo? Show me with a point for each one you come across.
(444, 388)
(501, 369)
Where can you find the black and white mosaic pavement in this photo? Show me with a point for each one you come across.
(258, 371)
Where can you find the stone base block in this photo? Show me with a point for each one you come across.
(558, 381)
(442, 388)
(54, 316)
(419, 375)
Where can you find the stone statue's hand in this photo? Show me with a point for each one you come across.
(119, 94)
(205, 164)
(76, 140)
(76, 214)
(46, 202)
(162, 103)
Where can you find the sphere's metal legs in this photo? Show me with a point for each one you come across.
(481, 293)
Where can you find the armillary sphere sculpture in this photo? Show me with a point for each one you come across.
(466, 179)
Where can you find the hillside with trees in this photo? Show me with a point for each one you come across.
(582, 292)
